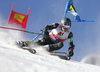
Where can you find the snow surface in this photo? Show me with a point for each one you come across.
(13, 59)
(92, 59)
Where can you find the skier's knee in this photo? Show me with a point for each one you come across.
(56, 46)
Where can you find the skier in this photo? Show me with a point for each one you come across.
(54, 40)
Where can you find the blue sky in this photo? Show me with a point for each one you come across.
(43, 12)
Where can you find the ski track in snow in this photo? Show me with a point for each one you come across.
(13, 59)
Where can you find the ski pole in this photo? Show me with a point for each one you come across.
(34, 33)
(36, 37)
(20, 30)
(59, 52)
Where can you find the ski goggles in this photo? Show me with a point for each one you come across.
(66, 26)
(66, 23)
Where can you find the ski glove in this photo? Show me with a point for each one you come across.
(71, 53)
(68, 57)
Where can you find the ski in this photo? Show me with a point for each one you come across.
(61, 56)
(33, 51)
(59, 52)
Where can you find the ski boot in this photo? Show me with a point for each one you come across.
(22, 44)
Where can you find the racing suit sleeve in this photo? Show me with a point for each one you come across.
(70, 39)
(71, 45)
(50, 27)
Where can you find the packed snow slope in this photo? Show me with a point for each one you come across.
(92, 59)
(14, 59)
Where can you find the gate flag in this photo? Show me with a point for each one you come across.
(18, 19)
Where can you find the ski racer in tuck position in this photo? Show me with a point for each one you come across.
(54, 40)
